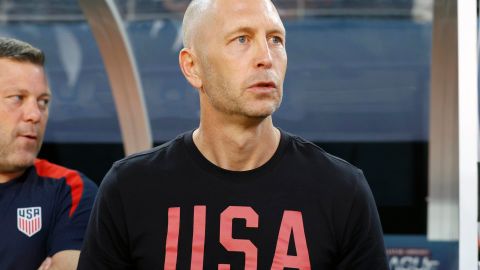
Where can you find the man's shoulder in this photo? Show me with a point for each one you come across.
(314, 160)
(316, 154)
(54, 172)
(160, 156)
(79, 188)
(149, 165)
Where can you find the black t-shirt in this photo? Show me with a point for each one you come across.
(170, 208)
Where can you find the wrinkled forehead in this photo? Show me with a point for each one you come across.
(231, 13)
(207, 19)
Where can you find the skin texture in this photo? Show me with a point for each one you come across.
(24, 97)
(24, 102)
(63, 260)
(235, 56)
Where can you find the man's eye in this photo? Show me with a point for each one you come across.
(15, 98)
(242, 39)
(43, 103)
(277, 40)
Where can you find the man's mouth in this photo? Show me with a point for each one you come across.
(29, 136)
(263, 87)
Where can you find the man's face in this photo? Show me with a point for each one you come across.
(24, 97)
(241, 48)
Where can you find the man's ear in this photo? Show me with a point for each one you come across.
(189, 66)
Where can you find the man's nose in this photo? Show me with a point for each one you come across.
(32, 111)
(264, 56)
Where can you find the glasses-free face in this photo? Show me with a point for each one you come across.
(24, 106)
(241, 57)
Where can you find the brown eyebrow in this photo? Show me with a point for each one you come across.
(23, 91)
(250, 30)
(48, 95)
(244, 29)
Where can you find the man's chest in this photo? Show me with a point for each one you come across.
(229, 230)
(24, 233)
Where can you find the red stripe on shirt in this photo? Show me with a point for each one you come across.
(74, 181)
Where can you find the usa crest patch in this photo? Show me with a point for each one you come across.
(29, 220)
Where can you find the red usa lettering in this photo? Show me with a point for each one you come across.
(291, 225)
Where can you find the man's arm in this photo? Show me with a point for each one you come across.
(63, 260)
(362, 247)
(106, 239)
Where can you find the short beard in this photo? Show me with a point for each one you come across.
(14, 168)
(218, 90)
(11, 163)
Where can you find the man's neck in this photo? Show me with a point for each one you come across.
(7, 177)
(237, 147)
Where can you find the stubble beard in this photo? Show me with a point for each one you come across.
(222, 97)
(13, 160)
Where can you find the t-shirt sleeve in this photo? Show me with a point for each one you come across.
(72, 211)
(106, 240)
(362, 246)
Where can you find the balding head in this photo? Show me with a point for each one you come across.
(192, 19)
(235, 56)
(195, 18)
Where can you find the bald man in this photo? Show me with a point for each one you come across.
(237, 192)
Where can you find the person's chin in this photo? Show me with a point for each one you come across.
(261, 114)
(265, 110)
(25, 159)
